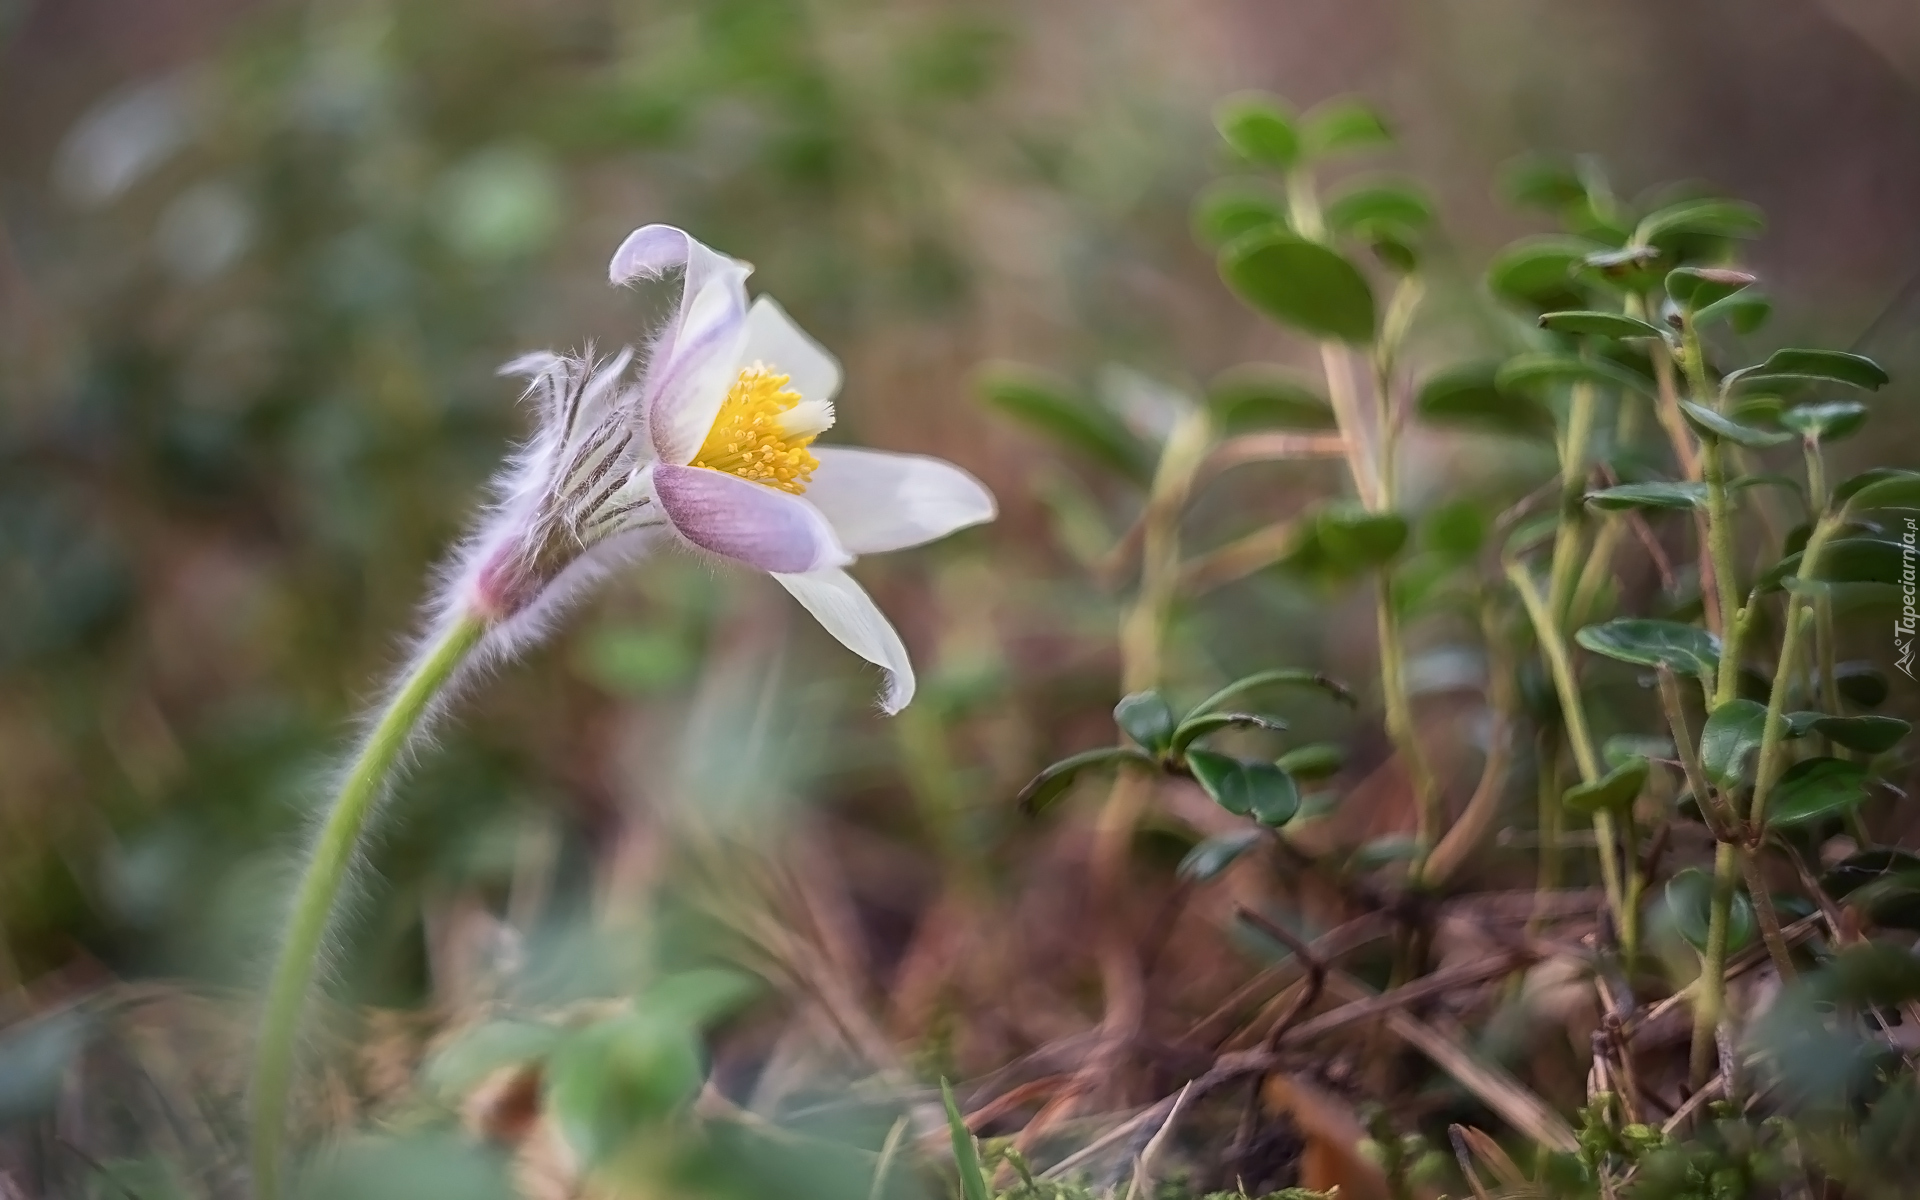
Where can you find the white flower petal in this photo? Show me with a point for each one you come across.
(684, 391)
(760, 526)
(773, 339)
(848, 613)
(878, 501)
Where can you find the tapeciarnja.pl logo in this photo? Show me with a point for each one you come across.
(1904, 628)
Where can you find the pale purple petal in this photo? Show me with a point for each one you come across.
(774, 340)
(760, 526)
(848, 613)
(697, 354)
(878, 501)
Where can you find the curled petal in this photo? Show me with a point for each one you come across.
(878, 501)
(748, 522)
(848, 613)
(698, 352)
(773, 339)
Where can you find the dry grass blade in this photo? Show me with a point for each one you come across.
(1494, 1087)
(1399, 998)
(1150, 1157)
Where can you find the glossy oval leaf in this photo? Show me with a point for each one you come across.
(1690, 900)
(1684, 649)
(1745, 310)
(1470, 397)
(1714, 427)
(1887, 490)
(1826, 422)
(1826, 366)
(1861, 683)
(1055, 409)
(1195, 728)
(1538, 273)
(1664, 494)
(1278, 677)
(1728, 740)
(1147, 718)
(1052, 783)
(1376, 202)
(1261, 396)
(1230, 208)
(1866, 733)
(1259, 790)
(1816, 788)
(1357, 539)
(1318, 760)
(1708, 218)
(1846, 560)
(1342, 125)
(1589, 323)
(1259, 128)
(1696, 288)
(1543, 370)
(1300, 283)
(1214, 855)
(1613, 792)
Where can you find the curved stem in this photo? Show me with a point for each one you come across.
(320, 888)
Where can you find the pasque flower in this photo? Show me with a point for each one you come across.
(711, 447)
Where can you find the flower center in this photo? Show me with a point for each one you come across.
(763, 430)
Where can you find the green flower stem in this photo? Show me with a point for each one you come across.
(326, 871)
(1561, 668)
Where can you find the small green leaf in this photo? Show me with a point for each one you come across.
(1229, 208)
(1052, 783)
(1194, 728)
(1629, 269)
(605, 1081)
(699, 997)
(1871, 973)
(1538, 273)
(1709, 218)
(1867, 734)
(1260, 396)
(1209, 858)
(1340, 125)
(456, 1068)
(1816, 788)
(1320, 760)
(1695, 288)
(1598, 324)
(1279, 677)
(966, 1157)
(1746, 310)
(1640, 496)
(1713, 427)
(1378, 202)
(1826, 422)
(1690, 900)
(1612, 792)
(1847, 560)
(1528, 371)
(1853, 485)
(1455, 530)
(1861, 683)
(1828, 366)
(1052, 407)
(1257, 789)
(1259, 128)
(1890, 490)
(1147, 718)
(1684, 649)
(1469, 396)
(1357, 538)
(1300, 283)
(1623, 747)
(1885, 883)
(1537, 181)
(1729, 738)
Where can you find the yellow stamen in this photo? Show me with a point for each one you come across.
(749, 440)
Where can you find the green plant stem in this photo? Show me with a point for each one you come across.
(1550, 815)
(1570, 536)
(1560, 666)
(1720, 559)
(1713, 968)
(319, 890)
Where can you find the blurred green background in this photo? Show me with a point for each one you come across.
(259, 262)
